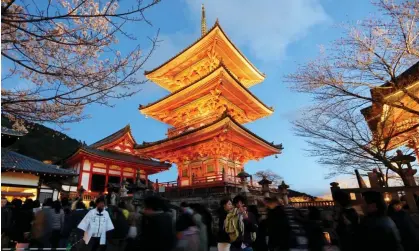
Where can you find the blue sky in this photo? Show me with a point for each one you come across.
(275, 35)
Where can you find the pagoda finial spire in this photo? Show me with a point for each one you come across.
(203, 22)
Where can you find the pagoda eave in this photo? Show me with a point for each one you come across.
(214, 43)
(224, 137)
(217, 89)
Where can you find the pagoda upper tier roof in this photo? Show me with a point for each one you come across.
(126, 131)
(200, 58)
(216, 91)
(223, 137)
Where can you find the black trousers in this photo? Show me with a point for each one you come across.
(94, 245)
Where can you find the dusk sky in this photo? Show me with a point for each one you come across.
(276, 36)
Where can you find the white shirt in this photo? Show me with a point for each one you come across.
(96, 224)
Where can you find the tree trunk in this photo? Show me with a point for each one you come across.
(404, 178)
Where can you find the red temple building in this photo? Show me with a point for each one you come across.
(399, 127)
(110, 160)
(209, 102)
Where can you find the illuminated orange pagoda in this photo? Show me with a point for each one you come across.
(208, 104)
(387, 122)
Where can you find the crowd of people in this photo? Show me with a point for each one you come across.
(162, 227)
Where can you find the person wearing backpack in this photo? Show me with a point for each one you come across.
(223, 239)
(241, 226)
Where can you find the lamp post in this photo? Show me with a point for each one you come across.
(264, 182)
(283, 191)
(243, 179)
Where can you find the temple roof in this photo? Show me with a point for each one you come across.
(240, 136)
(230, 88)
(399, 125)
(123, 157)
(406, 78)
(214, 46)
(11, 132)
(12, 161)
(114, 137)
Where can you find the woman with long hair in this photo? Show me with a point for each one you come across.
(223, 239)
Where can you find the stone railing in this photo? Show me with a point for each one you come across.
(307, 204)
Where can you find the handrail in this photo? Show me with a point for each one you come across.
(210, 178)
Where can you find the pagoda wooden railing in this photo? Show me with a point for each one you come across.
(210, 180)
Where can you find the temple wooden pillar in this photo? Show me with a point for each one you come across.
(416, 149)
(190, 174)
(217, 165)
(106, 178)
(38, 187)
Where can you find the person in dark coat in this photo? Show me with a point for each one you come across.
(408, 232)
(314, 230)
(347, 220)
(117, 237)
(207, 219)
(245, 240)
(185, 216)
(260, 242)
(223, 239)
(157, 232)
(6, 222)
(22, 218)
(42, 226)
(378, 231)
(73, 220)
(278, 227)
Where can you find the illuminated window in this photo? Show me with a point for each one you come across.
(185, 173)
(210, 168)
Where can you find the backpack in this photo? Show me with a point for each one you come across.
(233, 226)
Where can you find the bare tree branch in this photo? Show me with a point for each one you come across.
(66, 51)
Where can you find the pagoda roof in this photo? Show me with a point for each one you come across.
(114, 137)
(405, 79)
(232, 89)
(207, 132)
(120, 157)
(13, 161)
(236, 61)
(400, 125)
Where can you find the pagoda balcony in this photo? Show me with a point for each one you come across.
(209, 181)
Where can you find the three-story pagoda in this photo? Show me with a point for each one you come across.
(209, 101)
